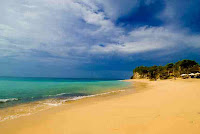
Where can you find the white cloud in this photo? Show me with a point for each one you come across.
(56, 27)
(75, 28)
(147, 39)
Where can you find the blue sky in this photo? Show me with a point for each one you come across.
(95, 38)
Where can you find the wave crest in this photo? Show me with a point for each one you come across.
(8, 100)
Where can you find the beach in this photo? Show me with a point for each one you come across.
(155, 107)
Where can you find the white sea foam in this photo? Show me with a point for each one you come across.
(94, 95)
(60, 94)
(7, 100)
(13, 117)
(50, 103)
(53, 104)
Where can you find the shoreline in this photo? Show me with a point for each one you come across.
(166, 106)
(30, 108)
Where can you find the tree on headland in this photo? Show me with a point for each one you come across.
(170, 68)
(168, 71)
(186, 65)
(194, 69)
(153, 72)
(142, 70)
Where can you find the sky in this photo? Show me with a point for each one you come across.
(95, 38)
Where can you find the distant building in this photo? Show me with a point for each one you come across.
(191, 75)
(197, 75)
(184, 76)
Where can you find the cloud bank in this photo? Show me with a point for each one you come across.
(75, 31)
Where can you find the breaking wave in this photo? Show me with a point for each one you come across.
(8, 100)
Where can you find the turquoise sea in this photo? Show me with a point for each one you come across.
(15, 91)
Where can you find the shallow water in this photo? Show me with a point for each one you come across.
(29, 95)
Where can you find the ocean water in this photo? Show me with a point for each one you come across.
(15, 91)
(26, 96)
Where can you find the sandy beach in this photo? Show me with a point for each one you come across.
(158, 107)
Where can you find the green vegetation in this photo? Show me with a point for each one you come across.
(168, 71)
